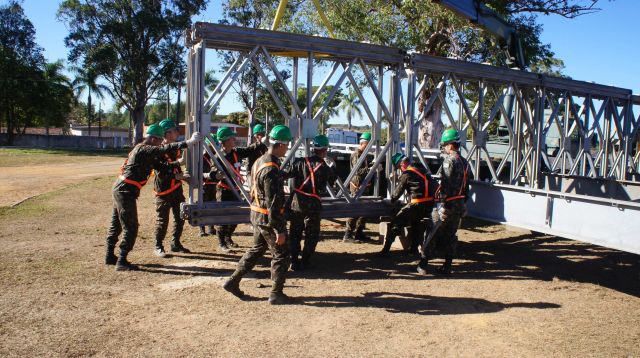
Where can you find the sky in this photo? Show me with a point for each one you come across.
(602, 47)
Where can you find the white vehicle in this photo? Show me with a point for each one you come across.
(342, 136)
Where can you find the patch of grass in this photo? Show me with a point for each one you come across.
(13, 157)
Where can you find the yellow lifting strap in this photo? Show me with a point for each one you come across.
(282, 7)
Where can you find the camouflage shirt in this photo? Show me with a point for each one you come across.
(257, 150)
(413, 184)
(267, 194)
(307, 188)
(166, 182)
(142, 159)
(455, 177)
(362, 172)
(234, 157)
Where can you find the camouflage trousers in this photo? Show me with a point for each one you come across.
(410, 215)
(309, 225)
(445, 240)
(165, 205)
(225, 231)
(209, 194)
(124, 218)
(356, 225)
(264, 238)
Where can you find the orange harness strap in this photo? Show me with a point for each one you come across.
(462, 186)
(235, 171)
(175, 184)
(311, 176)
(426, 196)
(254, 191)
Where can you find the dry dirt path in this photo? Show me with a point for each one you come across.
(19, 182)
(512, 294)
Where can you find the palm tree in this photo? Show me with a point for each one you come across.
(351, 105)
(87, 81)
(60, 90)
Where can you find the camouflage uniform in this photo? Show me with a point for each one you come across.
(257, 150)
(209, 189)
(126, 189)
(421, 200)
(356, 225)
(453, 192)
(311, 176)
(169, 196)
(267, 217)
(224, 193)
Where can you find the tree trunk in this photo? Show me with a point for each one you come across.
(9, 125)
(168, 103)
(138, 121)
(89, 112)
(431, 128)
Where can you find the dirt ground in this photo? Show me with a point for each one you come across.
(513, 293)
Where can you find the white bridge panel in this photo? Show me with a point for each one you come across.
(616, 227)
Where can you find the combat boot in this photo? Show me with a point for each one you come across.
(124, 265)
(203, 232)
(230, 242)
(445, 269)
(232, 285)
(222, 245)
(159, 251)
(361, 237)
(422, 266)
(348, 237)
(110, 258)
(179, 248)
(386, 250)
(295, 264)
(279, 298)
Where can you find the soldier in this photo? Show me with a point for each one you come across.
(453, 194)
(234, 156)
(357, 225)
(169, 195)
(126, 189)
(258, 148)
(209, 186)
(267, 217)
(420, 188)
(311, 175)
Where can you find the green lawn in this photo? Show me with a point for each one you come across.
(15, 157)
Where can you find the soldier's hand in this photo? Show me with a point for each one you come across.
(181, 160)
(443, 213)
(183, 176)
(206, 175)
(330, 162)
(195, 138)
(281, 239)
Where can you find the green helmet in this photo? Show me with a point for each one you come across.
(450, 136)
(398, 158)
(225, 133)
(259, 128)
(155, 130)
(280, 134)
(365, 136)
(215, 139)
(167, 124)
(320, 141)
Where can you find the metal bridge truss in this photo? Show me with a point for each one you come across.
(587, 189)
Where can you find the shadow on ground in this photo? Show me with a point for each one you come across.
(418, 304)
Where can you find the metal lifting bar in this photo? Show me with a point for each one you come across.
(565, 161)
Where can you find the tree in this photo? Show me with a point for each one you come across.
(426, 27)
(350, 105)
(59, 98)
(332, 106)
(133, 44)
(21, 63)
(86, 80)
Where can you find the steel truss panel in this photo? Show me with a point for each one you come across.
(223, 37)
(614, 224)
